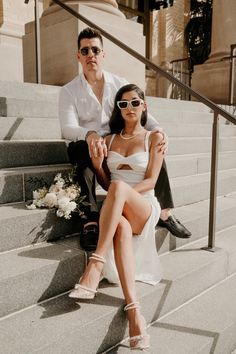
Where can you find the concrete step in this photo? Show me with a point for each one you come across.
(186, 165)
(68, 325)
(19, 128)
(38, 272)
(197, 130)
(19, 90)
(17, 184)
(32, 153)
(20, 227)
(186, 145)
(50, 93)
(188, 329)
(192, 189)
(15, 107)
(196, 218)
(168, 103)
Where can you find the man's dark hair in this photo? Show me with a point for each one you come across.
(116, 122)
(89, 33)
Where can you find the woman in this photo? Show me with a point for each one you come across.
(127, 165)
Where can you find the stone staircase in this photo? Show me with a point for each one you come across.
(192, 310)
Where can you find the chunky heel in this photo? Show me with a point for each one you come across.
(141, 341)
(83, 292)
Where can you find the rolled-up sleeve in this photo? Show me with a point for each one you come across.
(68, 116)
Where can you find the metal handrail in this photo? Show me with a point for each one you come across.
(37, 41)
(181, 69)
(231, 57)
(215, 127)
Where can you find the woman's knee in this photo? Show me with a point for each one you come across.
(118, 188)
(123, 231)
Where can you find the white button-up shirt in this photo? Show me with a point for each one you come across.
(80, 110)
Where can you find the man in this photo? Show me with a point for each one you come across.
(85, 106)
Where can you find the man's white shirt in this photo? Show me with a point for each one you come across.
(80, 110)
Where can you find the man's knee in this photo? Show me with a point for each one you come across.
(78, 154)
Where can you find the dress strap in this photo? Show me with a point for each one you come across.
(146, 142)
(112, 138)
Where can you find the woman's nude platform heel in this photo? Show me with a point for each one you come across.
(141, 341)
(83, 292)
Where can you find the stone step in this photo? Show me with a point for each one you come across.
(19, 90)
(188, 329)
(20, 227)
(20, 128)
(196, 218)
(38, 272)
(31, 153)
(15, 107)
(192, 189)
(17, 184)
(35, 152)
(186, 165)
(68, 325)
(184, 145)
(42, 92)
(197, 130)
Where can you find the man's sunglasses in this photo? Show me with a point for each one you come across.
(95, 50)
(136, 102)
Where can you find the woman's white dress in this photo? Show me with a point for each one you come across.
(147, 264)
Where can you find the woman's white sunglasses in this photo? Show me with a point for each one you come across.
(136, 102)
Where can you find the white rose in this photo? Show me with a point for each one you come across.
(50, 200)
(63, 202)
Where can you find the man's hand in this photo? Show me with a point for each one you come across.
(164, 143)
(98, 151)
(92, 136)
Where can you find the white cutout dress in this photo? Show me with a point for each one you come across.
(147, 264)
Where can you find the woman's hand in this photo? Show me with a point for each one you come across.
(163, 145)
(98, 151)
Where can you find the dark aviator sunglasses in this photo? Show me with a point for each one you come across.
(95, 50)
(136, 102)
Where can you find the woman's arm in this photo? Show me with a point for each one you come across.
(154, 164)
(98, 152)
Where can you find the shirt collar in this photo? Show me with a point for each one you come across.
(107, 78)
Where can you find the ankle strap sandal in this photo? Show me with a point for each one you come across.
(83, 292)
(131, 306)
(142, 340)
(97, 257)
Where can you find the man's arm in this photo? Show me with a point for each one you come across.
(152, 124)
(68, 116)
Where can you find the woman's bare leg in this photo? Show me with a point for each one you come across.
(121, 199)
(125, 263)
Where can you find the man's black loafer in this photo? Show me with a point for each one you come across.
(175, 227)
(89, 237)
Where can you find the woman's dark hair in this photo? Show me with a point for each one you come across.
(116, 122)
(89, 33)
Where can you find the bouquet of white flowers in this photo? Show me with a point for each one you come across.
(63, 196)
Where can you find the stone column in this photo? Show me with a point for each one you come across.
(168, 43)
(109, 6)
(13, 16)
(212, 78)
